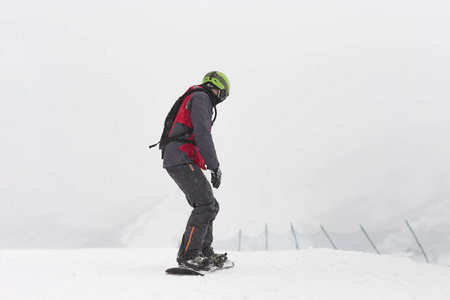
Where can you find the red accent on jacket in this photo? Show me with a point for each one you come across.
(184, 118)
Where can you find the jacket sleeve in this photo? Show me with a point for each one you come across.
(200, 113)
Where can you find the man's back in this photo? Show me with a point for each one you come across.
(193, 116)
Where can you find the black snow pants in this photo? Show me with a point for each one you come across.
(199, 228)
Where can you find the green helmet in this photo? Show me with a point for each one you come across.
(220, 81)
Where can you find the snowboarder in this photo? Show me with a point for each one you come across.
(188, 150)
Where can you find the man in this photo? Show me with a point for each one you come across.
(189, 150)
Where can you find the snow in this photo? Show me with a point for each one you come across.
(138, 273)
(87, 86)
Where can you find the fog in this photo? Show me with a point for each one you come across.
(338, 113)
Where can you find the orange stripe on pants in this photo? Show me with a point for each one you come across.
(190, 237)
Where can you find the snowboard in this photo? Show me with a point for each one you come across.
(183, 271)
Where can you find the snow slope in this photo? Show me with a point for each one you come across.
(139, 274)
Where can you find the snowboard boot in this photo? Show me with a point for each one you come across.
(193, 260)
(216, 258)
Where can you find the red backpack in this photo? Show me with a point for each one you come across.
(171, 119)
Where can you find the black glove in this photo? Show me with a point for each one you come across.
(216, 176)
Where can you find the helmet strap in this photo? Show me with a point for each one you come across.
(214, 98)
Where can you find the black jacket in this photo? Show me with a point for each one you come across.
(196, 112)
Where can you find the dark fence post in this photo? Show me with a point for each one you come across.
(295, 237)
(418, 243)
(239, 242)
(328, 237)
(373, 245)
(267, 239)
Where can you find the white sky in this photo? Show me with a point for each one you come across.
(338, 113)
